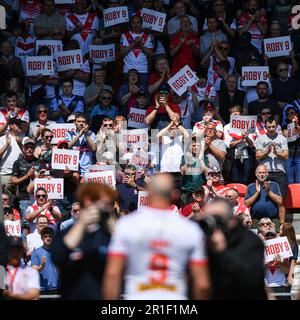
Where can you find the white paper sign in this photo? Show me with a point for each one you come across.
(182, 79)
(104, 177)
(100, 168)
(105, 53)
(136, 118)
(116, 15)
(275, 246)
(138, 137)
(153, 19)
(54, 45)
(39, 65)
(62, 158)
(140, 159)
(143, 199)
(292, 132)
(54, 187)
(239, 124)
(2, 18)
(67, 60)
(64, 1)
(277, 47)
(12, 228)
(252, 75)
(59, 131)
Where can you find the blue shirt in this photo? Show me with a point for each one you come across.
(110, 112)
(263, 207)
(49, 277)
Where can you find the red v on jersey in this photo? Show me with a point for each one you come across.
(87, 27)
(137, 49)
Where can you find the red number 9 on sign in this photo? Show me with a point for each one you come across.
(49, 65)
(124, 13)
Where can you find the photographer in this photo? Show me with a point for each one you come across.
(80, 250)
(235, 254)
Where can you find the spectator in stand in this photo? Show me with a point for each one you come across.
(14, 85)
(159, 77)
(93, 90)
(264, 198)
(66, 103)
(7, 202)
(229, 96)
(254, 21)
(214, 188)
(238, 206)
(82, 26)
(83, 140)
(42, 206)
(136, 48)
(128, 191)
(8, 215)
(184, 46)
(128, 92)
(264, 101)
(49, 21)
(34, 239)
(75, 212)
(211, 35)
(272, 151)
(23, 171)
(239, 154)
(287, 230)
(159, 115)
(194, 209)
(21, 281)
(36, 127)
(285, 89)
(180, 11)
(12, 110)
(292, 133)
(42, 262)
(265, 225)
(264, 114)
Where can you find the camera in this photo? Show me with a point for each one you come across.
(211, 223)
(104, 217)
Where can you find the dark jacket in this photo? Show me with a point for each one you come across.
(237, 273)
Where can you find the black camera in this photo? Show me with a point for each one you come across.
(104, 216)
(211, 223)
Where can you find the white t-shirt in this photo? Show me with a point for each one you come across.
(136, 58)
(174, 24)
(21, 280)
(10, 156)
(34, 240)
(172, 151)
(157, 251)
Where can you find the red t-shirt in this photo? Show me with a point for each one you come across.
(187, 209)
(154, 77)
(185, 54)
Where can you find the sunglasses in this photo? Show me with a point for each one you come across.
(163, 92)
(76, 210)
(265, 224)
(281, 70)
(224, 48)
(41, 196)
(106, 98)
(42, 111)
(48, 137)
(108, 125)
(29, 146)
(5, 199)
(264, 113)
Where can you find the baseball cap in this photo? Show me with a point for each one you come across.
(214, 170)
(163, 88)
(253, 58)
(59, 143)
(16, 242)
(71, 117)
(27, 140)
(142, 93)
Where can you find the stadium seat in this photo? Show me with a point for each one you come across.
(292, 199)
(241, 188)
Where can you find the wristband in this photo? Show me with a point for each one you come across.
(179, 124)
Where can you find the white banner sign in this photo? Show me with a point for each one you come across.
(136, 118)
(292, 132)
(239, 124)
(2, 18)
(59, 131)
(140, 159)
(64, 1)
(138, 137)
(182, 79)
(12, 228)
(105, 53)
(275, 246)
(62, 158)
(277, 47)
(100, 168)
(252, 75)
(67, 60)
(116, 15)
(36, 65)
(143, 199)
(54, 187)
(153, 19)
(104, 177)
(54, 45)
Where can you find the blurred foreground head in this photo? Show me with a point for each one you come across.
(162, 192)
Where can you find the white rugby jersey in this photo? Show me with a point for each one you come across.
(157, 247)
